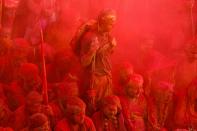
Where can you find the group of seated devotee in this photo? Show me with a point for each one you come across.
(136, 106)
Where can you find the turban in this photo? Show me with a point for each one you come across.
(136, 79)
(111, 100)
(74, 105)
(106, 15)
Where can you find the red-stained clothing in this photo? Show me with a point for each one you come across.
(57, 111)
(15, 96)
(6, 129)
(192, 104)
(101, 55)
(159, 114)
(6, 117)
(20, 119)
(2, 93)
(185, 72)
(134, 112)
(15, 93)
(64, 125)
(100, 123)
(96, 63)
(180, 110)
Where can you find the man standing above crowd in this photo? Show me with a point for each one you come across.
(94, 45)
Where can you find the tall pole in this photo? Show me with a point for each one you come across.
(1, 12)
(192, 18)
(188, 113)
(45, 88)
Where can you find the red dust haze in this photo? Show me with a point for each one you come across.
(167, 21)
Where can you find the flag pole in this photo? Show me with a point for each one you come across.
(192, 18)
(44, 74)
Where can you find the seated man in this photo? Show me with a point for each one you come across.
(134, 104)
(75, 119)
(28, 80)
(60, 93)
(109, 117)
(33, 105)
(160, 103)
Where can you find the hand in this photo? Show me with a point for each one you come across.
(113, 42)
(95, 44)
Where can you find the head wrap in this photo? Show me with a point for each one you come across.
(111, 100)
(106, 15)
(74, 105)
(136, 79)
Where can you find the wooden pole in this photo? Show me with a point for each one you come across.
(44, 74)
(192, 18)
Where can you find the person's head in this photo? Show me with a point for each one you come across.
(125, 72)
(67, 89)
(34, 102)
(75, 110)
(111, 106)
(28, 77)
(106, 20)
(134, 86)
(39, 122)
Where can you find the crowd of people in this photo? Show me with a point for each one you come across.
(72, 88)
